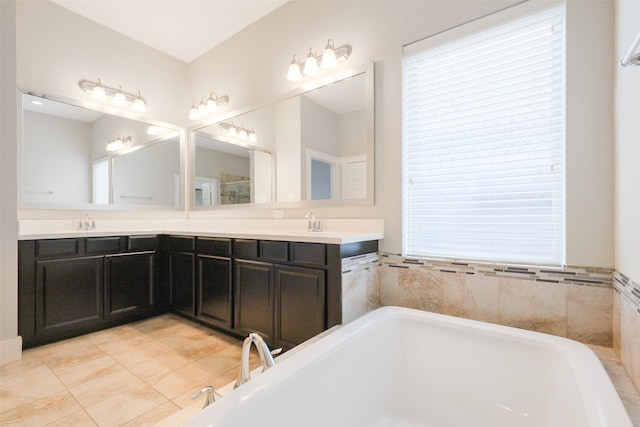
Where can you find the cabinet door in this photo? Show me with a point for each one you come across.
(214, 285)
(300, 304)
(182, 281)
(254, 298)
(69, 297)
(129, 284)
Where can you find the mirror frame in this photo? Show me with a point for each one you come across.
(366, 69)
(26, 206)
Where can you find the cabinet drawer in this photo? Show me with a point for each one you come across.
(309, 253)
(142, 243)
(274, 251)
(214, 246)
(245, 248)
(102, 245)
(182, 244)
(57, 247)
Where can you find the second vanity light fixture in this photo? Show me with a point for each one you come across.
(118, 142)
(238, 131)
(207, 106)
(117, 96)
(314, 62)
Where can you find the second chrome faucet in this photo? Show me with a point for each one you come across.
(314, 224)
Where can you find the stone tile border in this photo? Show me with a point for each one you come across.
(627, 288)
(585, 276)
(359, 263)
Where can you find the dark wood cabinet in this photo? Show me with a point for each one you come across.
(254, 298)
(129, 285)
(299, 305)
(68, 297)
(215, 290)
(182, 281)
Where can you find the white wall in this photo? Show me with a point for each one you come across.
(287, 136)
(377, 30)
(58, 48)
(10, 343)
(627, 145)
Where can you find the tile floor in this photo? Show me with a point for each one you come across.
(143, 374)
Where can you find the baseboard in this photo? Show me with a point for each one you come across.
(10, 350)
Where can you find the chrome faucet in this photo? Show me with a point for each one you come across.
(210, 398)
(87, 224)
(314, 224)
(266, 357)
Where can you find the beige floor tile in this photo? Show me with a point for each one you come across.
(178, 418)
(60, 350)
(222, 361)
(182, 380)
(201, 348)
(86, 371)
(126, 406)
(72, 360)
(175, 342)
(153, 416)
(41, 411)
(79, 419)
(123, 343)
(97, 389)
(133, 356)
(43, 383)
(157, 366)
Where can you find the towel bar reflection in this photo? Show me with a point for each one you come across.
(630, 58)
(125, 196)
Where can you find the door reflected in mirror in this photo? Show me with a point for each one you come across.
(77, 157)
(315, 145)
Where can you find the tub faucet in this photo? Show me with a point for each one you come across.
(266, 357)
(314, 224)
(210, 397)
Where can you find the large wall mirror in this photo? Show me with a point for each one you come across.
(313, 146)
(74, 157)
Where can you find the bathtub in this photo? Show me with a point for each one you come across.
(403, 367)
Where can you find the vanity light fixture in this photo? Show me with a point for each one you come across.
(314, 63)
(207, 106)
(118, 96)
(238, 131)
(118, 142)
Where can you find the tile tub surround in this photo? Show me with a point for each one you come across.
(359, 286)
(626, 324)
(574, 302)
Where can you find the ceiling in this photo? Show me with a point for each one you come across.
(184, 29)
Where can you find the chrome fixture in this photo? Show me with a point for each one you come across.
(266, 357)
(314, 224)
(118, 142)
(314, 62)
(630, 58)
(87, 224)
(207, 106)
(238, 131)
(210, 397)
(119, 97)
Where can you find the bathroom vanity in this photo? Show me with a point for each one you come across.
(285, 289)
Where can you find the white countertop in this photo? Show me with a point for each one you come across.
(337, 231)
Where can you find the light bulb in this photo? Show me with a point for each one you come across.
(119, 98)
(233, 131)
(139, 103)
(193, 113)
(294, 73)
(329, 56)
(212, 104)
(243, 133)
(252, 136)
(310, 64)
(202, 108)
(98, 91)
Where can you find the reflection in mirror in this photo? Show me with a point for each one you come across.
(230, 174)
(321, 146)
(73, 156)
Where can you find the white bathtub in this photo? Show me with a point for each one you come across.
(403, 367)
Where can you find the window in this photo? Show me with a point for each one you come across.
(483, 143)
(101, 182)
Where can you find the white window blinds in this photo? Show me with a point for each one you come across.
(483, 144)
